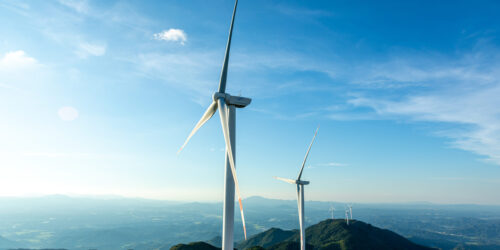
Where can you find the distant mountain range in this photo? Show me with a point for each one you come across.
(326, 235)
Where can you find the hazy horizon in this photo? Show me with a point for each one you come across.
(110, 197)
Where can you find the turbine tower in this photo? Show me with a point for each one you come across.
(332, 209)
(226, 104)
(300, 195)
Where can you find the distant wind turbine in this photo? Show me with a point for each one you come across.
(350, 210)
(332, 209)
(226, 104)
(347, 215)
(300, 195)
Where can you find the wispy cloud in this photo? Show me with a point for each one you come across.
(172, 35)
(190, 71)
(86, 49)
(284, 116)
(301, 11)
(334, 164)
(447, 178)
(80, 6)
(463, 92)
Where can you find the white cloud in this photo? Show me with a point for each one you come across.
(88, 49)
(15, 60)
(17, 68)
(172, 35)
(67, 113)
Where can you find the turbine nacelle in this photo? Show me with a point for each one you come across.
(301, 182)
(238, 101)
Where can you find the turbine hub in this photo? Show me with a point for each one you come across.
(238, 101)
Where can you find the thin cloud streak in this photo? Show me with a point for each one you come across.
(334, 164)
(464, 93)
(86, 49)
(80, 6)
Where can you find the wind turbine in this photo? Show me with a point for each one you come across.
(332, 209)
(300, 195)
(347, 216)
(350, 210)
(226, 104)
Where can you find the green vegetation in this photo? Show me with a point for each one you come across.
(267, 238)
(326, 235)
(194, 246)
(330, 235)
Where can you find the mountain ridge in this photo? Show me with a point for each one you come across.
(326, 235)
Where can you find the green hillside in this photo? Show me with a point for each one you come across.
(268, 238)
(333, 234)
(288, 245)
(194, 246)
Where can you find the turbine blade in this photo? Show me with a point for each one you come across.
(225, 129)
(223, 75)
(208, 114)
(285, 180)
(305, 158)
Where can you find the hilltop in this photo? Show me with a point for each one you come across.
(194, 246)
(326, 235)
(334, 234)
(268, 238)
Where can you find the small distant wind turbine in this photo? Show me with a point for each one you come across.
(226, 104)
(347, 216)
(350, 210)
(332, 209)
(300, 195)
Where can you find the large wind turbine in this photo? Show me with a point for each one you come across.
(332, 209)
(300, 195)
(226, 104)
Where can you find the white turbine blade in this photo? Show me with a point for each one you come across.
(223, 75)
(208, 114)
(305, 158)
(225, 130)
(285, 180)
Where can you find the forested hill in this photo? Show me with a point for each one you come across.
(326, 235)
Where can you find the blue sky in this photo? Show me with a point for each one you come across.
(97, 96)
